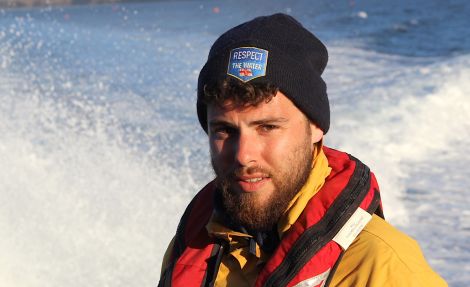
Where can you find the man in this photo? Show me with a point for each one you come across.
(283, 210)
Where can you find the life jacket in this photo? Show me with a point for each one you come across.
(309, 251)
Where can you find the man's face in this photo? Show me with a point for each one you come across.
(262, 156)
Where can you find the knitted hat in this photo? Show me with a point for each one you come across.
(272, 49)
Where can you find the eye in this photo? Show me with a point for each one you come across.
(267, 127)
(222, 132)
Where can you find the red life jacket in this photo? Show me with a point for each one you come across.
(307, 250)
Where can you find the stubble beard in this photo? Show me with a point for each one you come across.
(245, 208)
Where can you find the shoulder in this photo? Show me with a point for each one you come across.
(384, 256)
(392, 244)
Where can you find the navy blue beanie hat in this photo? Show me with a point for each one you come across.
(274, 49)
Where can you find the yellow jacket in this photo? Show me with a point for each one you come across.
(379, 256)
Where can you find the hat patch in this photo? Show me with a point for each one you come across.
(247, 63)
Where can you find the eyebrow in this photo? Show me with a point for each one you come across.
(220, 123)
(269, 121)
(216, 122)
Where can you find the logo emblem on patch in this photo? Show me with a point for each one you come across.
(247, 63)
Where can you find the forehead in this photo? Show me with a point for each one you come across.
(279, 105)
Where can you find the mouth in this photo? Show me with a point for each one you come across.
(252, 183)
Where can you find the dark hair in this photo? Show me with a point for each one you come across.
(240, 93)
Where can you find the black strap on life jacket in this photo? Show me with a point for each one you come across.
(374, 207)
(214, 263)
(179, 246)
(318, 235)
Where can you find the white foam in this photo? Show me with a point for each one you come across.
(392, 115)
(80, 205)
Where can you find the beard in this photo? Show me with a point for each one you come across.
(246, 208)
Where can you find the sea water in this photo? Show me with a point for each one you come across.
(101, 150)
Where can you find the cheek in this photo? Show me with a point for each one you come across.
(219, 151)
(215, 148)
(275, 150)
(279, 151)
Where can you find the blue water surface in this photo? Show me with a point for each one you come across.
(114, 86)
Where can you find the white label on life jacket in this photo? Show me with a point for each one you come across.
(352, 228)
(316, 281)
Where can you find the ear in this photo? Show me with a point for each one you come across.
(317, 133)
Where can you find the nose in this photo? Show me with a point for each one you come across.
(246, 149)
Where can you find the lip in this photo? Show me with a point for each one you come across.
(247, 186)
